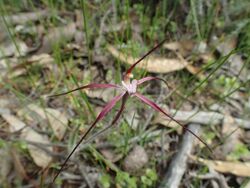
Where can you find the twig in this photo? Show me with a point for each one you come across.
(85, 175)
(212, 175)
(204, 118)
(178, 165)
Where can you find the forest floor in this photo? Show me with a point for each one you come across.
(50, 47)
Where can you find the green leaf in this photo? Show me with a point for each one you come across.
(124, 180)
(105, 180)
(240, 151)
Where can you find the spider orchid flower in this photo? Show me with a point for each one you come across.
(127, 88)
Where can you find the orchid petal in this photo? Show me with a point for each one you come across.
(89, 86)
(156, 107)
(134, 85)
(102, 114)
(124, 99)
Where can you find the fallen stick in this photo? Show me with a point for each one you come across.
(200, 117)
(178, 165)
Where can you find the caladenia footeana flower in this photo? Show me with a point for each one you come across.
(127, 88)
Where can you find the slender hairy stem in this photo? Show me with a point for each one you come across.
(143, 57)
(71, 153)
(102, 114)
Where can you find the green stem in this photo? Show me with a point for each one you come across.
(85, 28)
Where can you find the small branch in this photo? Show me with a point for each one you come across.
(212, 175)
(85, 175)
(201, 117)
(178, 165)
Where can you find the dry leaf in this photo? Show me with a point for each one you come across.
(231, 128)
(44, 60)
(26, 17)
(191, 68)
(57, 120)
(4, 103)
(160, 119)
(195, 70)
(56, 35)
(4, 111)
(10, 49)
(236, 168)
(151, 64)
(40, 157)
(5, 163)
(111, 155)
(14, 123)
(5, 65)
(20, 169)
(185, 47)
(235, 60)
(16, 68)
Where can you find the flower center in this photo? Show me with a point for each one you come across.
(130, 87)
